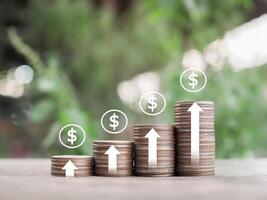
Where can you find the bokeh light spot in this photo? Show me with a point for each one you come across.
(24, 74)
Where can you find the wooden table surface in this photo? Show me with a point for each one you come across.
(235, 179)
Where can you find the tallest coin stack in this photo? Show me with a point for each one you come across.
(188, 164)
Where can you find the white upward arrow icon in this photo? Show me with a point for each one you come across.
(152, 136)
(194, 109)
(69, 168)
(112, 153)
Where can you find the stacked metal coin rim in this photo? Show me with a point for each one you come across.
(83, 164)
(165, 150)
(124, 158)
(182, 124)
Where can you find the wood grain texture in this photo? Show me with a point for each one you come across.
(235, 179)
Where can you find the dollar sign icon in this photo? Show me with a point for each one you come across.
(72, 137)
(192, 77)
(114, 119)
(152, 101)
(193, 80)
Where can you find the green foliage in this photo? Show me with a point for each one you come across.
(45, 107)
(59, 95)
(198, 22)
(87, 52)
(96, 45)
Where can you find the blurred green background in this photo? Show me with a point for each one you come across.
(90, 56)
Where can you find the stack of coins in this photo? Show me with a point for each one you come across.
(188, 164)
(82, 165)
(113, 158)
(165, 150)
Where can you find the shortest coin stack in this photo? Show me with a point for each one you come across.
(113, 158)
(82, 165)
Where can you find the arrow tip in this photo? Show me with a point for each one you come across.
(69, 165)
(195, 107)
(152, 133)
(112, 150)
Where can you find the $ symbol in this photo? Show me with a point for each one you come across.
(152, 103)
(72, 137)
(114, 120)
(194, 81)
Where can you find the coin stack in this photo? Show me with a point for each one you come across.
(186, 163)
(120, 152)
(165, 150)
(82, 165)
